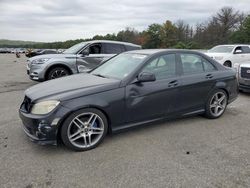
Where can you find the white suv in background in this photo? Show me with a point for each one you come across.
(230, 55)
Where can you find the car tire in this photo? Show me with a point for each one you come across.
(84, 129)
(57, 72)
(216, 104)
(228, 64)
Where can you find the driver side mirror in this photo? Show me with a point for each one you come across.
(238, 51)
(85, 52)
(146, 77)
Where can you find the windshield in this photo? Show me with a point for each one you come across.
(76, 48)
(222, 49)
(120, 66)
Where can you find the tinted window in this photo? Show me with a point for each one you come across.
(95, 49)
(242, 50)
(193, 64)
(163, 66)
(114, 48)
(245, 49)
(208, 67)
(129, 48)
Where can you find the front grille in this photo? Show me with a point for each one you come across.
(26, 105)
(245, 72)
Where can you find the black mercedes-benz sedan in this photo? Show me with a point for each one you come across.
(130, 89)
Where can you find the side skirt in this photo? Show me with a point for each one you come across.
(136, 124)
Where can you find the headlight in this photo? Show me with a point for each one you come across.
(44, 107)
(218, 57)
(40, 61)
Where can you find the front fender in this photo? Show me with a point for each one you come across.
(111, 103)
(70, 65)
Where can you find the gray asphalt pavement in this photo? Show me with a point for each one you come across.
(190, 152)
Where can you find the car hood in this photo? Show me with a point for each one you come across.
(71, 87)
(245, 64)
(49, 56)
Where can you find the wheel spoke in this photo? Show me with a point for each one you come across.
(53, 76)
(80, 121)
(78, 125)
(96, 128)
(92, 120)
(221, 107)
(212, 105)
(76, 133)
(62, 73)
(221, 99)
(96, 133)
(76, 138)
(89, 136)
(216, 97)
(85, 140)
(216, 110)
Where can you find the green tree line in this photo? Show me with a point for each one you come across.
(226, 26)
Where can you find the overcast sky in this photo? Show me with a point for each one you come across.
(57, 20)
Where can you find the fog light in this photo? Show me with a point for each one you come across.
(44, 128)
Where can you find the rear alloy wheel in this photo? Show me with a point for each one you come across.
(216, 104)
(57, 73)
(84, 130)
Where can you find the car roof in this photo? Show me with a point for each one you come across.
(234, 45)
(114, 42)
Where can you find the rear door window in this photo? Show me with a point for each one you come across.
(195, 64)
(129, 48)
(114, 48)
(245, 49)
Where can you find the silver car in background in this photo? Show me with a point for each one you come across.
(81, 57)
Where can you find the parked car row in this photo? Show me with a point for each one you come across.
(33, 53)
(123, 87)
(12, 50)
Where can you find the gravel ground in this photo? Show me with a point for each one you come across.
(191, 152)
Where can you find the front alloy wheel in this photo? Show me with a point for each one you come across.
(84, 129)
(57, 72)
(216, 105)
